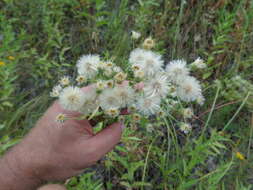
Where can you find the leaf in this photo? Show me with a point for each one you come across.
(206, 75)
(125, 183)
(140, 184)
(132, 138)
(188, 184)
(2, 126)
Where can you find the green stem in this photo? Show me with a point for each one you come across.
(178, 27)
(146, 162)
(237, 111)
(211, 112)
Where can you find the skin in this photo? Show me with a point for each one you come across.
(54, 151)
(52, 187)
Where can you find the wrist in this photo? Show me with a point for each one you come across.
(16, 173)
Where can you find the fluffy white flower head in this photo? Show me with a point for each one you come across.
(148, 61)
(152, 63)
(91, 103)
(159, 85)
(72, 98)
(189, 89)
(137, 56)
(125, 94)
(108, 99)
(177, 70)
(88, 65)
(148, 105)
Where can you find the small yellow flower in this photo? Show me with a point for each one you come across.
(80, 79)
(121, 118)
(161, 114)
(2, 63)
(109, 64)
(132, 109)
(148, 43)
(172, 89)
(222, 133)
(11, 58)
(54, 93)
(113, 112)
(109, 83)
(240, 156)
(136, 67)
(100, 85)
(119, 77)
(136, 117)
(60, 118)
(64, 81)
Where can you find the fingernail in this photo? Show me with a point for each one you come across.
(122, 126)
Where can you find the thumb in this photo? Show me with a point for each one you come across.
(105, 140)
(52, 187)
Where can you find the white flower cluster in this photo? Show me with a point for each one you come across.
(187, 88)
(141, 89)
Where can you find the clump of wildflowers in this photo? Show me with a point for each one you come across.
(147, 87)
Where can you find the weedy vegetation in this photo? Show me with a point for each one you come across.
(40, 41)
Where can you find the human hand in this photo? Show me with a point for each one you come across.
(55, 151)
(52, 187)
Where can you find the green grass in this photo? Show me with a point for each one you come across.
(47, 36)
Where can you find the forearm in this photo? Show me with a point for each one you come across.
(15, 175)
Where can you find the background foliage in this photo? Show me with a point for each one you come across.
(41, 41)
